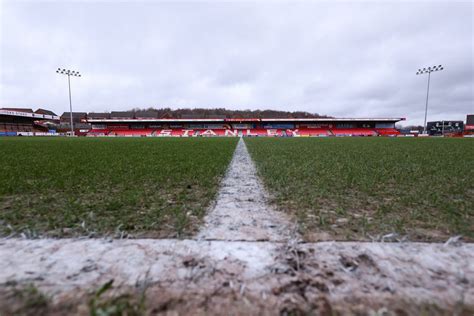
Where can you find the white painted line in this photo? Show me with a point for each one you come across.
(241, 211)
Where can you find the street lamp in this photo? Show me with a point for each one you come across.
(69, 73)
(428, 71)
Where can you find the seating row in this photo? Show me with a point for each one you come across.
(257, 132)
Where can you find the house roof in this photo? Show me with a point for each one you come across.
(98, 115)
(198, 116)
(44, 111)
(74, 114)
(122, 114)
(145, 114)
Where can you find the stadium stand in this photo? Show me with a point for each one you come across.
(353, 132)
(146, 124)
(98, 132)
(314, 132)
(132, 132)
(160, 123)
(26, 122)
(387, 131)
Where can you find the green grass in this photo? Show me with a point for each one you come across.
(148, 187)
(353, 188)
(129, 304)
(29, 300)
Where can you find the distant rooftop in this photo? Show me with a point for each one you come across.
(197, 116)
(122, 114)
(146, 114)
(74, 114)
(98, 115)
(44, 111)
(18, 110)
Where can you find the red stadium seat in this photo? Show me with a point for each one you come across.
(98, 132)
(387, 131)
(353, 132)
(132, 132)
(255, 132)
(179, 133)
(313, 132)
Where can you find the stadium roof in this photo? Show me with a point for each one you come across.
(19, 110)
(28, 113)
(221, 120)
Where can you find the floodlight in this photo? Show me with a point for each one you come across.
(69, 73)
(428, 71)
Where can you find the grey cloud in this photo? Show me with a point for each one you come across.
(342, 59)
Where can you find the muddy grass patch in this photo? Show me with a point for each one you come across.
(23, 299)
(296, 279)
(298, 296)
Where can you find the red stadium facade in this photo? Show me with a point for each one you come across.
(234, 127)
(469, 127)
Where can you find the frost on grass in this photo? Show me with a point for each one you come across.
(216, 277)
(358, 188)
(241, 211)
(225, 271)
(157, 188)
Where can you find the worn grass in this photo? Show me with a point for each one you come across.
(364, 188)
(148, 187)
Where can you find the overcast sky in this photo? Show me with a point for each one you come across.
(346, 59)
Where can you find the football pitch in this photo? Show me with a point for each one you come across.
(206, 224)
(335, 188)
(63, 187)
(362, 188)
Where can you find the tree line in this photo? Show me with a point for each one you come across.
(217, 112)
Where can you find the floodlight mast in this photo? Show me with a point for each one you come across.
(69, 73)
(428, 71)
